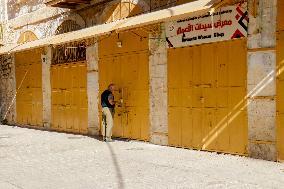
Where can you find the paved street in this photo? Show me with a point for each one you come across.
(39, 159)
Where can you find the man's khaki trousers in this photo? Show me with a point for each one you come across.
(109, 121)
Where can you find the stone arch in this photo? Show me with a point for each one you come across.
(67, 26)
(27, 36)
(117, 10)
(76, 22)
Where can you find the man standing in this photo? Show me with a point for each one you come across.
(108, 105)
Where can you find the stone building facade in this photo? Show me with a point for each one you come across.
(23, 21)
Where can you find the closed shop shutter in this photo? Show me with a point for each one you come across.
(207, 90)
(128, 68)
(29, 88)
(69, 97)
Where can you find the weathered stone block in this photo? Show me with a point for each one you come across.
(263, 151)
(158, 58)
(263, 107)
(159, 139)
(158, 83)
(262, 119)
(159, 124)
(92, 57)
(94, 131)
(262, 73)
(159, 106)
(159, 70)
(262, 29)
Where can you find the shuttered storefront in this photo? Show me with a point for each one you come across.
(127, 67)
(207, 90)
(29, 88)
(69, 101)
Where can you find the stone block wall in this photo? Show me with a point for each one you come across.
(7, 90)
(93, 89)
(261, 84)
(158, 88)
(46, 58)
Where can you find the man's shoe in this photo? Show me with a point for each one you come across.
(109, 140)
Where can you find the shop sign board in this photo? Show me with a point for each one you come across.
(226, 23)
